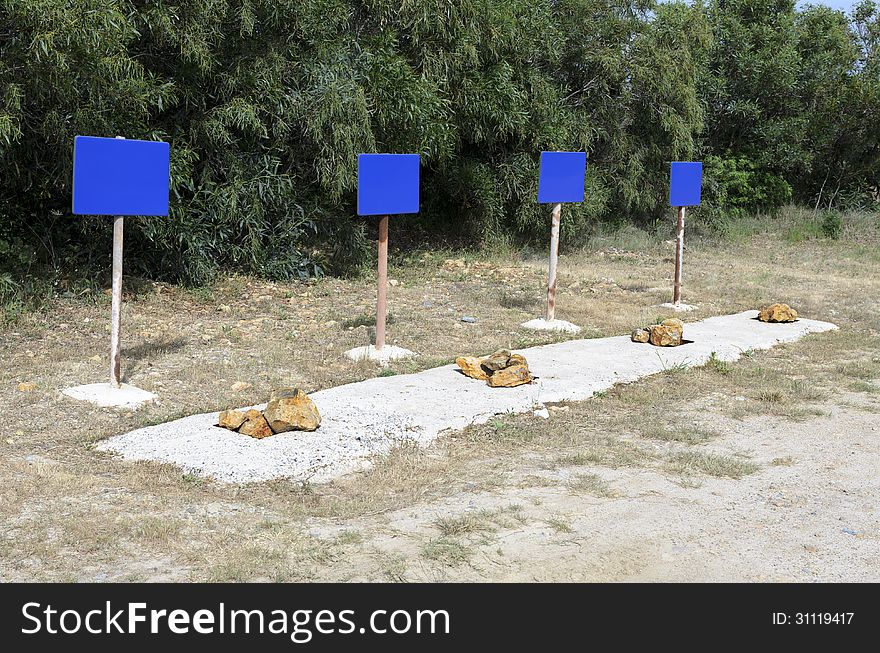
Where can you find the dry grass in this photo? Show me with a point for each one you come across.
(71, 513)
(591, 484)
(690, 463)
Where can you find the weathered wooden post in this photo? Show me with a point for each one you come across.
(554, 260)
(685, 182)
(561, 179)
(118, 177)
(116, 306)
(388, 184)
(382, 295)
(679, 255)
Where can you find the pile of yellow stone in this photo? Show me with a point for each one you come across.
(500, 370)
(668, 333)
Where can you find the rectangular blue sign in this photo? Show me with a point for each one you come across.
(117, 176)
(685, 183)
(388, 184)
(561, 178)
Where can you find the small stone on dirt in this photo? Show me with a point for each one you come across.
(27, 386)
(239, 386)
(292, 412)
(777, 313)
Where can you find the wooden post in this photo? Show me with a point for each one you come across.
(382, 299)
(554, 259)
(679, 255)
(116, 310)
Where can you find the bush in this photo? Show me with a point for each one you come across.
(832, 225)
(737, 187)
(266, 104)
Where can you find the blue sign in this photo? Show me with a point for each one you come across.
(562, 177)
(388, 184)
(685, 183)
(116, 176)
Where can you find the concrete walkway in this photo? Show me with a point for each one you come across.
(361, 420)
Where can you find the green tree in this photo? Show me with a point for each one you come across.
(752, 88)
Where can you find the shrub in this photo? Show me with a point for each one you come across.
(832, 225)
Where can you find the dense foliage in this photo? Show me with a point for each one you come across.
(267, 103)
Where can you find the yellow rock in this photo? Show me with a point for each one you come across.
(663, 335)
(255, 425)
(510, 377)
(640, 335)
(292, 411)
(231, 419)
(517, 359)
(470, 366)
(499, 360)
(27, 386)
(778, 313)
(673, 322)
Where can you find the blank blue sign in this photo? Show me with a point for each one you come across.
(388, 184)
(562, 177)
(685, 183)
(116, 176)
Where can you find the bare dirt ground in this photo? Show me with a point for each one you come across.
(765, 469)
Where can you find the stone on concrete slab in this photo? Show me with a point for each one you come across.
(640, 335)
(777, 313)
(231, 419)
(255, 425)
(107, 396)
(665, 335)
(292, 411)
(541, 324)
(511, 376)
(496, 361)
(471, 366)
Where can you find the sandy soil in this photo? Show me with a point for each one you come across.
(811, 517)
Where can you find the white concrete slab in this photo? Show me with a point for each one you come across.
(541, 324)
(367, 418)
(681, 307)
(383, 356)
(107, 396)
